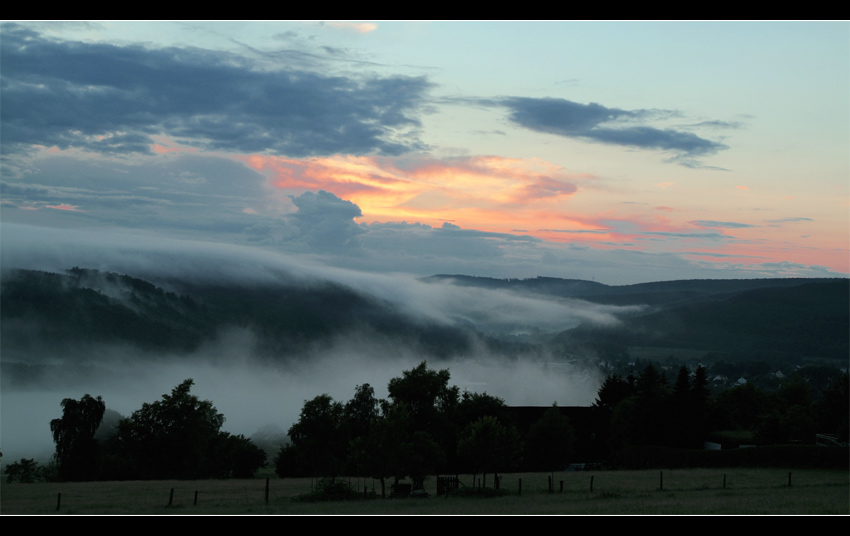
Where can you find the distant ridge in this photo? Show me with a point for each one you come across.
(654, 293)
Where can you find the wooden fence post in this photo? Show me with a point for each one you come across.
(171, 497)
(561, 490)
(58, 500)
(591, 483)
(267, 490)
(789, 479)
(724, 480)
(520, 487)
(196, 497)
(661, 480)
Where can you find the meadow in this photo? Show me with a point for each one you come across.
(733, 491)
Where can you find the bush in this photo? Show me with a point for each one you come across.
(25, 471)
(329, 489)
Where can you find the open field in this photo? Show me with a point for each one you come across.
(691, 491)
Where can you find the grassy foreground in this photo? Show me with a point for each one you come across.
(686, 491)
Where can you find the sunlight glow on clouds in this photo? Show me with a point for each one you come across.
(379, 151)
(359, 27)
(427, 189)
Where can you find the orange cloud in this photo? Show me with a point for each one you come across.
(359, 27)
(487, 192)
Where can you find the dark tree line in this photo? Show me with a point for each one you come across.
(424, 427)
(178, 437)
(645, 410)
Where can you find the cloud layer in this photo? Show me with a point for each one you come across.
(597, 123)
(112, 99)
(318, 147)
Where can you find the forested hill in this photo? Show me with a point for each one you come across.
(655, 293)
(83, 307)
(66, 314)
(804, 320)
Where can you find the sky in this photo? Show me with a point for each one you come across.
(620, 152)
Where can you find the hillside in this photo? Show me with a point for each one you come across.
(46, 316)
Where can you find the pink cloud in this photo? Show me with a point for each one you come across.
(64, 206)
(166, 145)
(359, 27)
(487, 192)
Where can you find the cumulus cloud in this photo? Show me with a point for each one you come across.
(112, 99)
(326, 222)
(598, 123)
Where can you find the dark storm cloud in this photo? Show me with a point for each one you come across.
(111, 99)
(593, 122)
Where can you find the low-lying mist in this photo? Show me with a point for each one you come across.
(252, 393)
(253, 389)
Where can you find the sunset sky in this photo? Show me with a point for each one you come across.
(622, 152)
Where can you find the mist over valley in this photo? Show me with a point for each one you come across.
(260, 333)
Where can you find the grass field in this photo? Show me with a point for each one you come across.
(691, 491)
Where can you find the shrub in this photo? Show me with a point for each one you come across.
(329, 489)
(25, 471)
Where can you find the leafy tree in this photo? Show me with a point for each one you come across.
(172, 438)
(384, 451)
(76, 449)
(831, 409)
(426, 457)
(25, 471)
(360, 411)
(430, 403)
(488, 447)
(699, 404)
(739, 408)
(550, 441)
(788, 415)
(236, 456)
(474, 406)
(318, 440)
(426, 393)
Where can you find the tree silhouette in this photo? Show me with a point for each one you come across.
(73, 433)
(489, 447)
(550, 441)
(25, 471)
(431, 404)
(172, 438)
(318, 440)
(384, 450)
